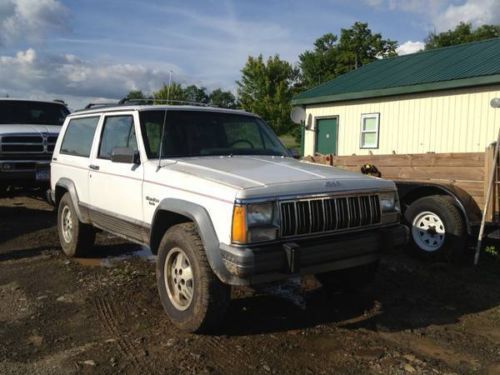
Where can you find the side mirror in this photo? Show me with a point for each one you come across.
(125, 155)
(294, 153)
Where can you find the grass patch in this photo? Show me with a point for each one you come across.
(290, 142)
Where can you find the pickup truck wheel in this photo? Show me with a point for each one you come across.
(75, 237)
(191, 294)
(350, 279)
(437, 228)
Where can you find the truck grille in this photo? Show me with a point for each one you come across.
(317, 215)
(28, 143)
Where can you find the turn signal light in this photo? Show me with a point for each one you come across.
(239, 230)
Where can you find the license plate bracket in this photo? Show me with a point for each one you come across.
(42, 174)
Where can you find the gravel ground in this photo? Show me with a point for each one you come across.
(102, 314)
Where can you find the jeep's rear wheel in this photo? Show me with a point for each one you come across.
(75, 237)
(193, 297)
(350, 279)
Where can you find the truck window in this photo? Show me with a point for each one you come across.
(79, 136)
(118, 131)
(31, 112)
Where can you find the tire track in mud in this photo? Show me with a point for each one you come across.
(227, 353)
(107, 314)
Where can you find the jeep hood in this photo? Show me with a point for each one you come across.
(28, 129)
(256, 176)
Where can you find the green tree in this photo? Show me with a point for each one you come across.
(136, 94)
(139, 96)
(358, 46)
(319, 65)
(173, 92)
(196, 94)
(222, 99)
(332, 56)
(266, 88)
(462, 33)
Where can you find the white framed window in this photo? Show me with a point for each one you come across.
(370, 124)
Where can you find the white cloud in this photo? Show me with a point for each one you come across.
(410, 47)
(30, 19)
(29, 75)
(477, 12)
(445, 15)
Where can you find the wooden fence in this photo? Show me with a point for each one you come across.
(469, 171)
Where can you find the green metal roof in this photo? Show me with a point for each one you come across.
(464, 65)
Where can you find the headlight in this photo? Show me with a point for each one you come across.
(260, 214)
(254, 223)
(389, 202)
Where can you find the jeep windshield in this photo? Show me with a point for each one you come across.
(32, 112)
(204, 133)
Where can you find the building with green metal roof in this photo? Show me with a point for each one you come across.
(430, 101)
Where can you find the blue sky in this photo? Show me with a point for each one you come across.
(87, 50)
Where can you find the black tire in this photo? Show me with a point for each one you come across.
(205, 310)
(82, 236)
(427, 243)
(350, 279)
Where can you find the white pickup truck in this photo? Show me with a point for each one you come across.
(28, 133)
(218, 198)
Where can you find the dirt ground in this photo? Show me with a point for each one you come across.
(102, 315)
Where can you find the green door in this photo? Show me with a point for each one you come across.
(326, 136)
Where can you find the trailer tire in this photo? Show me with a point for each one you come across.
(437, 228)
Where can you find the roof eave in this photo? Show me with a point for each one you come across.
(402, 90)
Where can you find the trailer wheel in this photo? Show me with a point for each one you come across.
(437, 228)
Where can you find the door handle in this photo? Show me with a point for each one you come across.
(94, 167)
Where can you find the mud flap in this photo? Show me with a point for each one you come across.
(292, 251)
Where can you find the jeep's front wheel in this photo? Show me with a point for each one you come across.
(75, 237)
(191, 294)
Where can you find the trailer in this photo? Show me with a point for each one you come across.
(442, 195)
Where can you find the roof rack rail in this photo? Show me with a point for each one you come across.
(59, 101)
(145, 101)
(149, 101)
(98, 105)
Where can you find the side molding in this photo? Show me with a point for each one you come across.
(198, 215)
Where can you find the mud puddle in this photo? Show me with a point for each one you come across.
(114, 259)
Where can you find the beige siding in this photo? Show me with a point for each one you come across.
(448, 121)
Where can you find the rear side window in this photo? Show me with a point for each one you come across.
(79, 136)
(118, 132)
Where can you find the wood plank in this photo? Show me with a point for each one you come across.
(425, 173)
(472, 159)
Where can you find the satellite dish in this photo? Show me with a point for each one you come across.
(298, 115)
(495, 102)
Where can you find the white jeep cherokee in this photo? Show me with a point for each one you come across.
(218, 198)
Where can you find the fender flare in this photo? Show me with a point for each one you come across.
(70, 187)
(463, 201)
(201, 218)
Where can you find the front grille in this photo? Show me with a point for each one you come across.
(28, 144)
(22, 139)
(22, 148)
(20, 157)
(317, 215)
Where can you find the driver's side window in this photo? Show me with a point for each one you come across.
(117, 131)
(243, 135)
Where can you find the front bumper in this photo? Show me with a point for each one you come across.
(18, 175)
(255, 265)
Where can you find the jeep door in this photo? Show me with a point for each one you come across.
(115, 184)
(72, 158)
